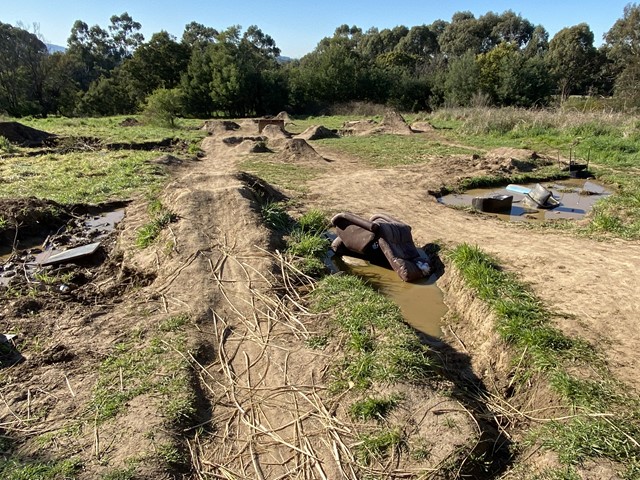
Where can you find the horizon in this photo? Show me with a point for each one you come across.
(295, 31)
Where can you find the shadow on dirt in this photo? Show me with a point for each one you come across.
(492, 454)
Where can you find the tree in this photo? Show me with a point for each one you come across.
(622, 48)
(461, 82)
(125, 34)
(196, 34)
(158, 63)
(163, 106)
(22, 57)
(571, 59)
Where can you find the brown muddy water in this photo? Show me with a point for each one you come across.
(32, 252)
(577, 198)
(421, 302)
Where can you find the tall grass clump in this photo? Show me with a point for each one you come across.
(606, 416)
(308, 242)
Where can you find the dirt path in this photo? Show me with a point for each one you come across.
(271, 413)
(593, 287)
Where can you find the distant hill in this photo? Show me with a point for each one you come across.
(55, 48)
(283, 59)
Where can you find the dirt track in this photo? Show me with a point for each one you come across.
(262, 403)
(592, 286)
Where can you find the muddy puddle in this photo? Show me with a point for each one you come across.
(81, 237)
(577, 198)
(421, 302)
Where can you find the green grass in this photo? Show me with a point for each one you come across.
(161, 218)
(108, 129)
(12, 469)
(377, 446)
(287, 175)
(374, 408)
(138, 368)
(80, 177)
(524, 323)
(379, 345)
(275, 216)
(393, 150)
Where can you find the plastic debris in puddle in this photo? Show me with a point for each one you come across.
(575, 199)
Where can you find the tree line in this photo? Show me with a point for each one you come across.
(494, 59)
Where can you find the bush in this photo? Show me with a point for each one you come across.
(163, 107)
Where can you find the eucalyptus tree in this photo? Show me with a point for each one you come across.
(572, 59)
(622, 48)
(22, 57)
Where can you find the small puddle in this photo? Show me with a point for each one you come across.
(420, 302)
(31, 253)
(576, 197)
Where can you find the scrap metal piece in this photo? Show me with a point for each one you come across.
(70, 254)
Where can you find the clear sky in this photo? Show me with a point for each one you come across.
(298, 25)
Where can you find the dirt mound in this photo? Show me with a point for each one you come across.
(32, 217)
(237, 140)
(130, 122)
(513, 153)
(274, 132)
(422, 127)
(394, 123)
(358, 127)
(22, 135)
(316, 132)
(217, 126)
(283, 116)
(252, 146)
(297, 149)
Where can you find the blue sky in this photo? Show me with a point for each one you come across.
(297, 25)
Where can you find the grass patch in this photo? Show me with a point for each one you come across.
(12, 469)
(80, 177)
(161, 218)
(275, 216)
(379, 345)
(374, 408)
(377, 446)
(392, 150)
(523, 322)
(156, 369)
(108, 129)
(288, 175)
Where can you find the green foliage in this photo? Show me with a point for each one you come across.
(161, 217)
(523, 322)
(314, 222)
(374, 408)
(79, 177)
(377, 446)
(13, 469)
(154, 368)
(571, 59)
(291, 176)
(163, 107)
(392, 150)
(275, 216)
(306, 244)
(5, 145)
(392, 354)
